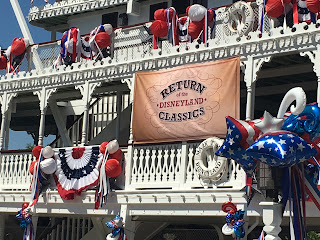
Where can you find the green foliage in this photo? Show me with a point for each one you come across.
(313, 236)
(30, 146)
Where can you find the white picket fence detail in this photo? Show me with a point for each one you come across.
(172, 166)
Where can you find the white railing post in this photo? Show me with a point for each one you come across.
(272, 218)
(184, 161)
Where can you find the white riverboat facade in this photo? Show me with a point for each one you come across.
(159, 193)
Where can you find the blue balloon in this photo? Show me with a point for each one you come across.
(306, 122)
(234, 146)
(239, 215)
(229, 218)
(282, 149)
(239, 229)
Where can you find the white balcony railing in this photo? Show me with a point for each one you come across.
(173, 166)
(134, 43)
(169, 166)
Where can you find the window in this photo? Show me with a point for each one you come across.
(201, 2)
(154, 7)
(181, 5)
(111, 18)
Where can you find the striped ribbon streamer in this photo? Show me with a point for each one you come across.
(104, 184)
(36, 181)
(262, 17)
(29, 233)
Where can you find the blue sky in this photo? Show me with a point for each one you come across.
(9, 30)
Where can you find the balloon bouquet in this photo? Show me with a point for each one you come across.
(117, 229)
(234, 220)
(289, 141)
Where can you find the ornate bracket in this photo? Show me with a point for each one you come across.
(251, 67)
(44, 95)
(87, 90)
(5, 101)
(313, 56)
(129, 82)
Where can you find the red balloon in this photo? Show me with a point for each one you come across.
(286, 1)
(183, 20)
(194, 29)
(159, 28)
(274, 8)
(187, 10)
(313, 5)
(103, 40)
(31, 167)
(25, 205)
(117, 155)
(36, 151)
(3, 62)
(160, 14)
(113, 168)
(18, 46)
(103, 147)
(210, 15)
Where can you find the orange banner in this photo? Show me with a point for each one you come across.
(186, 103)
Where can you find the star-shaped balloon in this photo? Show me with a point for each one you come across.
(281, 148)
(269, 123)
(240, 135)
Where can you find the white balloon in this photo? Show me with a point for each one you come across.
(48, 166)
(227, 230)
(112, 146)
(295, 94)
(108, 28)
(47, 152)
(109, 237)
(197, 12)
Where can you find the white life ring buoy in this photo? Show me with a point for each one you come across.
(216, 164)
(240, 18)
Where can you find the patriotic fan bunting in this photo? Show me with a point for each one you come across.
(281, 149)
(75, 171)
(240, 135)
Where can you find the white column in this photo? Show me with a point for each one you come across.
(86, 90)
(119, 109)
(250, 69)
(5, 101)
(272, 218)
(130, 226)
(129, 156)
(43, 95)
(7, 129)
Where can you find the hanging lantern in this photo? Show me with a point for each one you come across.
(47, 152)
(103, 40)
(160, 14)
(313, 5)
(3, 62)
(274, 8)
(196, 12)
(36, 151)
(113, 168)
(117, 155)
(48, 166)
(103, 147)
(194, 29)
(159, 28)
(31, 167)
